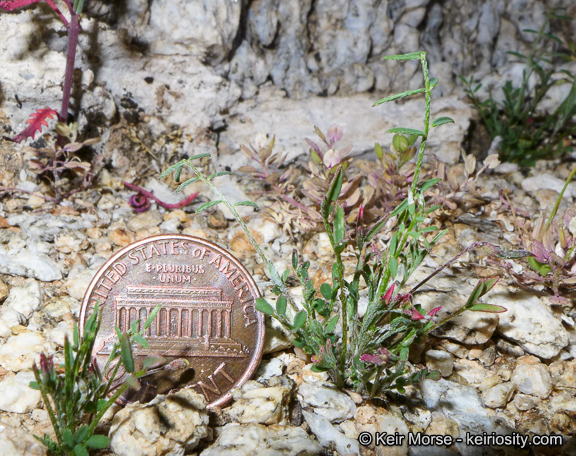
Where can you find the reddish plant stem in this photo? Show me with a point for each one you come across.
(73, 33)
(148, 194)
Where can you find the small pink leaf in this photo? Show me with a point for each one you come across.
(35, 123)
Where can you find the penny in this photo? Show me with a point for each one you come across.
(207, 330)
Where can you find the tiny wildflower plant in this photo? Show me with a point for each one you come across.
(78, 394)
(366, 352)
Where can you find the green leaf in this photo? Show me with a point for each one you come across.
(434, 375)
(375, 228)
(326, 291)
(152, 316)
(80, 450)
(34, 385)
(152, 360)
(207, 205)
(126, 353)
(281, 306)
(101, 404)
(300, 319)
(218, 174)
(393, 265)
(263, 306)
(412, 56)
(541, 268)
(68, 438)
(339, 229)
(177, 174)
(247, 203)
(76, 336)
(433, 82)
(407, 131)
(172, 168)
(487, 308)
(517, 54)
(98, 441)
(441, 121)
(138, 338)
(196, 157)
(81, 433)
(397, 96)
(476, 293)
(133, 382)
(334, 191)
(331, 324)
(186, 184)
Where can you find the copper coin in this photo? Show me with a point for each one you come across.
(207, 330)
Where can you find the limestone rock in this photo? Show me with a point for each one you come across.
(499, 395)
(330, 403)
(17, 442)
(529, 322)
(440, 360)
(168, 425)
(533, 378)
(329, 436)
(16, 395)
(21, 302)
(257, 404)
(145, 220)
(27, 263)
(373, 421)
(47, 227)
(19, 351)
(254, 439)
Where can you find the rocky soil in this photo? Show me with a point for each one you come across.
(229, 72)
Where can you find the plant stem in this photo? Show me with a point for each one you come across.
(426, 123)
(73, 32)
(559, 199)
(271, 268)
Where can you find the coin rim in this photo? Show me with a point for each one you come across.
(257, 356)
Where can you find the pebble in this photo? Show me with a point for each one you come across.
(257, 439)
(257, 404)
(458, 402)
(169, 425)
(120, 237)
(374, 421)
(79, 277)
(499, 395)
(73, 241)
(16, 395)
(27, 263)
(532, 377)
(4, 290)
(548, 182)
(330, 403)
(56, 308)
(440, 360)
(269, 368)
(17, 442)
(530, 322)
(442, 425)
(329, 436)
(525, 402)
(170, 226)
(564, 374)
(46, 227)
(217, 220)
(58, 334)
(145, 220)
(19, 351)
(21, 302)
